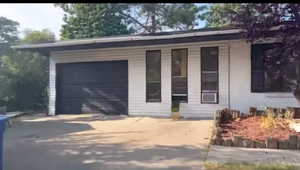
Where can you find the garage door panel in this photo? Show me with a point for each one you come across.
(71, 91)
(106, 92)
(93, 87)
(71, 106)
(105, 107)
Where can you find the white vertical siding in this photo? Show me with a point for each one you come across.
(194, 108)
(52, 86)
(240, 97)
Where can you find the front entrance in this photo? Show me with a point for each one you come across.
(179, 74)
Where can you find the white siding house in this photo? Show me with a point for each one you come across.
(234, 77)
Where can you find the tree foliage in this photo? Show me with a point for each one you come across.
(93, 20)
(182, 16)
(33, 36)
(283, 20)
(8, 34)
(150, 18)
(8, 30)
(24, 75)
(219, 15)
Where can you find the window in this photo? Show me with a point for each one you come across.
(265, 80)
(179, 74)
(210, 72)
(153, 76)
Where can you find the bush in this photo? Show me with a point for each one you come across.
(272, 119)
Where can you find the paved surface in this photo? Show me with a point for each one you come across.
(252, 155)
(92, 142)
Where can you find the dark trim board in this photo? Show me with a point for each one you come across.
(109, 96)
(177, 40)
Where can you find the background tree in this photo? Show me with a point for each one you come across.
(8, 34)
(8, 30)
(24, 75)
(154, 17)
(33, 36)
(93, 20)
(183, 16)
(258, 20)
(219, 15)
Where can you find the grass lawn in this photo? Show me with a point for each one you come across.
(237, 166)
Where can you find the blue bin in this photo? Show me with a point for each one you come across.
(3, 120)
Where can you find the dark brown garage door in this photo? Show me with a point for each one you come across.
(93, 87)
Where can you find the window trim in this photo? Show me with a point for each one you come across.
(218, 76)
(187, 73)
(146, 55)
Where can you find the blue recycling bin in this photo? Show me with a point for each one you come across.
(3, 120)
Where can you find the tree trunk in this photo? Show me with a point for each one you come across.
(153, 25)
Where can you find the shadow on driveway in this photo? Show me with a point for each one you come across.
(61, 144)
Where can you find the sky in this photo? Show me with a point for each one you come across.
(37, 16)
(34, 16)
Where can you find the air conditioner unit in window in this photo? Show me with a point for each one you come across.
(209, 97)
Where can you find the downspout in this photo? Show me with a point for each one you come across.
(229, 103)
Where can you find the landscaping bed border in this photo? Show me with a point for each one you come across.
(293, 142)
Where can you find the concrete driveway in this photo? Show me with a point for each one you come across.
(93, 142)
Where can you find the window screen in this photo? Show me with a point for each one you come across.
(209, 69)
(153, 76)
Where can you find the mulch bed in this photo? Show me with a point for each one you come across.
(250, 128)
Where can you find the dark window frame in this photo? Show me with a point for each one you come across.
(218, 76)
(147, 99)
(185, 98)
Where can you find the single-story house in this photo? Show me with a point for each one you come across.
(206, 69)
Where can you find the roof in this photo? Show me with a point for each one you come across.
(197, 35)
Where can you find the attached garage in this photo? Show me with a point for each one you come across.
(92, 87)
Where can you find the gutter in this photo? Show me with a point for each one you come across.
(121, 39)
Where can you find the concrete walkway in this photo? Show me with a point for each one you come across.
(223, 154)
(93, 142)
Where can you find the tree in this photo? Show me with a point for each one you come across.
(93, 20)
(8, 34)
(150, 18)
(24, 75)
(282, 21)
(34, 37)
(219, 15)
(8, 30)
(183, 16)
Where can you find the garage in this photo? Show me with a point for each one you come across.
(92, 87)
